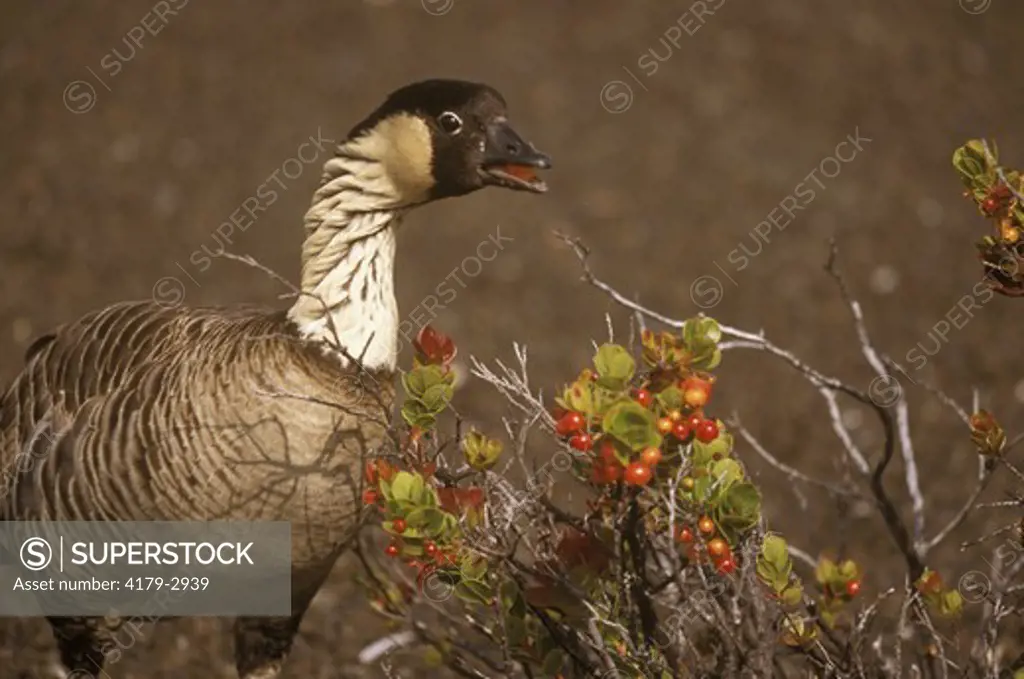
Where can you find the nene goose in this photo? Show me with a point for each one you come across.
(152, 398)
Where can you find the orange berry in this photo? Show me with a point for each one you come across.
(650, 455)
(637, 474)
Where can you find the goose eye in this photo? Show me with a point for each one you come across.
(450, 123)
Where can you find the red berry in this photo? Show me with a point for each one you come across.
(582, 442)
(429, 548)
(392, 550)
(638, 474)
(369, 496)
(694, 420)
(607, 452)
(398, 525)
(650, 456)
(989, 205)
(570, 423)
(684, 534)
(665, 425)
(681, 430)
(853, 588)
(726, 566)
(718, 548)
(707, 431)
(706, 525)
(675, 416)
(644, 398)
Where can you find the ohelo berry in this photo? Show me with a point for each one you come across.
(582, 442)
(665, 425)
(990, 205)
(570, 423)
(650, 456)
(696, 391)
(637, 474)
(675, 415)
(391, 550)
(398, 525)
(644, 398)
(706, 525)
(707, 431)
(693, 420)
(853, 588)
(684, 534)
(688, 483)
(726, 566)
(718, 548)
(429, 548)
(369, 496)
(681, 430)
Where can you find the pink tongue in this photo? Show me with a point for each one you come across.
(523, 172)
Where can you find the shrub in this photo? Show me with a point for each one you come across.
(670, 568)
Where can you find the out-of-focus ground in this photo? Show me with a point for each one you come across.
(101, 204)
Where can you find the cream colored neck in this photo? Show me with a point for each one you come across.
(348, 293)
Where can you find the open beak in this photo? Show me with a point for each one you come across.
(511, 162)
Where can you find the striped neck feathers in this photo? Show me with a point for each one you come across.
(348, 293)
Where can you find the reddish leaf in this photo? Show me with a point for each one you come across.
(577, 549)
(433, 347)
(457, 500)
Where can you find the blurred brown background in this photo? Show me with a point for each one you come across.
(110, 181)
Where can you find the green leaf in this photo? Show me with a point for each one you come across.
(671, 398)
(436, 397)
(792, 595)
(740, 507)
(417, 415)
(580, 396)
(552, 665)
(767, 571)
(632, 424)
(515, 628)
(775, 551)
(410, 533)
(952, 603)
(848, 570)
(421, 378)
(429, 521)
(473, 591)
(725, 473)
(473, 567)
(615, 367)
(407, 487)
(826, 571)
(703, 453)
(432, 657)
(481, 452)
(385, 489)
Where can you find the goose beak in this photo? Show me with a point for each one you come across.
(511, 162)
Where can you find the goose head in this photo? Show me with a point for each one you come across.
(442, 138)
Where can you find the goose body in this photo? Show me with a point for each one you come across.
(143, 412)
